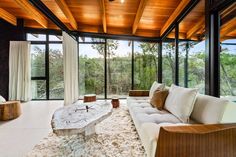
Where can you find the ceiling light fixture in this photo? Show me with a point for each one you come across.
(122, 1)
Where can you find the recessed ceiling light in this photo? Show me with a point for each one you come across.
(122, 1)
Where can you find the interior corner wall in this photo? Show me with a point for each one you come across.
(8, 33)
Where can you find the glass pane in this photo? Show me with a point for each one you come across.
(228, 53)
(228, 69)
(118, 68)
(196, 66)
(55, 38)
(36, 37)
(56, 77)
(38, 89)
(192, 65)
(145, 64)
(183, 51)
(168, 62)
(37, 60)
(91, 69)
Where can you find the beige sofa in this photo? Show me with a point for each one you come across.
(208, 111)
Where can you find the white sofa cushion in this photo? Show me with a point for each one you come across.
(155, 86)
(131, 100)
(208, 109)
(149, 133)
(180, 102)
(2, 100)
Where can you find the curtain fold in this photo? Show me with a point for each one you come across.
(70, 60)
(19, 71)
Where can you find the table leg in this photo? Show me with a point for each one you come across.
(90, 130)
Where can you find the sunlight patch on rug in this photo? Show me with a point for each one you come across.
(116, 137)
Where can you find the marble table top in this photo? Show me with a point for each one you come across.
(79, 117)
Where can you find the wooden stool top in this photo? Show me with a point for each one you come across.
(89, 97)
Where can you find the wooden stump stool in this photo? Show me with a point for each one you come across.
(10, 110)
(115, 102)
(89, 97)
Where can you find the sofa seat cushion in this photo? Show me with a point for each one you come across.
(131, 100)
(151, 117)
(149, 133)
(139, 104)
(147, 109)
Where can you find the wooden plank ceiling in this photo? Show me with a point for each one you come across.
(148, 18)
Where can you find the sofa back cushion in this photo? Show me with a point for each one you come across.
(155, 86)
(180, 102)
(208, 109)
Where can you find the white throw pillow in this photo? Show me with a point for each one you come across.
(2, 99)
(180, 102)
(155, 86)
(208, 109)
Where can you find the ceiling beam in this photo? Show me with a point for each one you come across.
(196, 28)
(66, 11)
(139, 14)
(8, 17)
(35, 14)
(49, 14)
(174, 15)
(229, 27)
(104, 20)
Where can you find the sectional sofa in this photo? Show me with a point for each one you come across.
(209, 132)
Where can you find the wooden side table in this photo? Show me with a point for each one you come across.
(115, 102)
(10, 110)
(89, 97)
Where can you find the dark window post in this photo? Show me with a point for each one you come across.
(177, 54)
(47, 66)
(105, 69)
(212, 69)
(186, 65)
(160, 62)
(132, 63)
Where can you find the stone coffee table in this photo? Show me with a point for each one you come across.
(80, 118)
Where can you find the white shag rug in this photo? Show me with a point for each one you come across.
(116, 137)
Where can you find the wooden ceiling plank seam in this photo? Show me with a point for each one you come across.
(104, 21)
(35, 14)
(8, 17)
(139, 14)
(174, 15)
(66, 11)
(196, 28)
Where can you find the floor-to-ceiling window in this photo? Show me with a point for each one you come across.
(46, 66)
(119, 76)
(168, 63)
(91, 67)
(145, 64)
(192, 64)
(228, 53)
(110, 68)
(228, 68)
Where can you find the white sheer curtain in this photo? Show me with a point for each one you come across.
(19, 71)
(70, 55)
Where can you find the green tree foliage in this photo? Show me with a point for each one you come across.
(91, 69)
(228, 72)
(145, 65)
(56, 75)
(56, 83)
